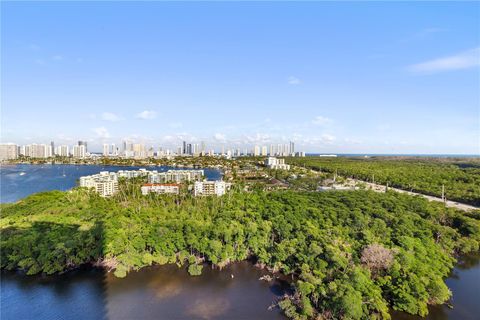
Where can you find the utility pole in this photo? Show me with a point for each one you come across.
(444, 199)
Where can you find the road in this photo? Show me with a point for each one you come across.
(381, 188)
(448, 203)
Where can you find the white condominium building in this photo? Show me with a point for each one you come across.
(105, 183)
(160, 188)
(133, 173)
(275, 163)
(8, 151)
(36, 151)
(106, 150)
(210, 188)
(177, 176)
(62, 151)
(256, 151)
(79, 151)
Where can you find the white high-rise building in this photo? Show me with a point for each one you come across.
(106, 151)
(38, 150)
(272, 150)
(264, 151)
(256, 151)
(8, 151)
(21, 150)
(79, 151)
(113, 150)
(62, 151)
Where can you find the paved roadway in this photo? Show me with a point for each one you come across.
(380, 188)
(448, 203)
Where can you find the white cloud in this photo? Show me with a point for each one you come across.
(101, 132)
(353, 141)
(146, 115)
(383, 127)
(65, 138)
(463, 60)
(321, 121)
(327, 138)
(108, 116)
(57, 57)
(293, 80)
(220, 137)
(175, 125)
(324, 139)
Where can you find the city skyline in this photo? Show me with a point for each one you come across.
(132, 149)
(219, 73)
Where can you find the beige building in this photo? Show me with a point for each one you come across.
(210, 188)
(275, 163)
(105, 183)
(8, 151)
(160, 188)
(177, 176)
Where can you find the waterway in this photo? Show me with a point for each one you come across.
(20, 180)
(159, 292)
(167, 292)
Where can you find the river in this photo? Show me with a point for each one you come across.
(167, 292)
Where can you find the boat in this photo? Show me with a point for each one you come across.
(22, 173)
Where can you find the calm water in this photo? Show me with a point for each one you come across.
(18, 181)
(160, 292)
(166, 292)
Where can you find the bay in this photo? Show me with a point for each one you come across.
(166, 292)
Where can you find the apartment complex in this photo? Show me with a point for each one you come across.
(141, 151)
(128, 174)
(210, 188)
(275, 163)
(35, 150)
(104, 183)
(79, 151)
(8, 151)
(160, 188)
(177, 176)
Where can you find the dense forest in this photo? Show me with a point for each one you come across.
(461, 178)
(352, 254)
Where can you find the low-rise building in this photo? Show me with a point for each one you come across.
(133, 173)
(105, 183)
(160, 188)
(176, 176)
(275, 163)
(210, 188)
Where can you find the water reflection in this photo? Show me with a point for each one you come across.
(78, 294)
(169, 292)
(208, 308)
(464, 282)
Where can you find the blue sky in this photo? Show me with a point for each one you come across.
(338, 77)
